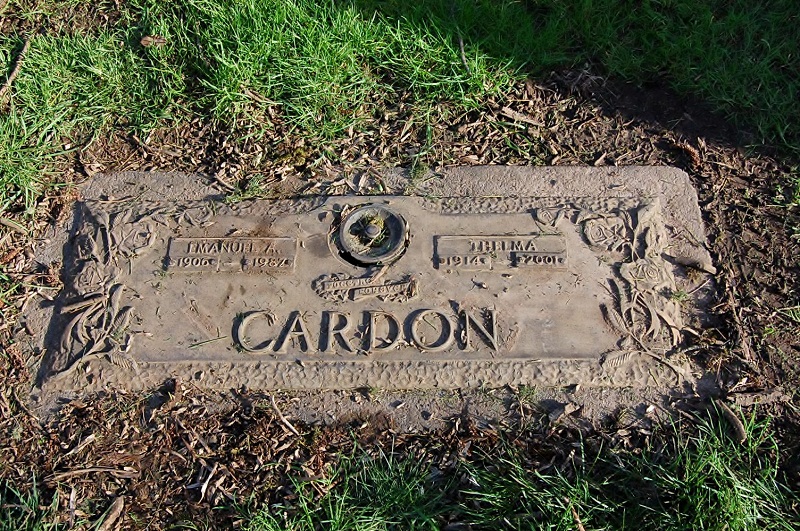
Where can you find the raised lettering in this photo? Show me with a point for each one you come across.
(240, 332)
(491, 336)
(393, 331)
(336, 325)
(231, 255)
(445, 338)
(295, 328)
(427, 329)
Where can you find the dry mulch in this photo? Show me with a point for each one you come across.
(171, 457)
(167, 458)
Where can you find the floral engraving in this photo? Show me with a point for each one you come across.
(647, 274)
(98, 325)
(549, 215)
(104, 250)
(645, 315)
(610, 233)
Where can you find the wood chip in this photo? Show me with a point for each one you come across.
(11, 224)
(690, 150)
(519, 117)
(155, 41)
(73, 504)
(113, 514)
(83, 444)
(204, 488)
(578, 523)
(123, 473)
(767, 396)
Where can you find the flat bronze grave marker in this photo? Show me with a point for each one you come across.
(480, 277)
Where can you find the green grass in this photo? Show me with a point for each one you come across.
(327, 66)
(794, 188)
(363, 494)
(705, 480)
(24, 512)
(740, 56)
(70, 90)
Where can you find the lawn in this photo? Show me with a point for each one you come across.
(256, 93)
(706, 480)
(326, 67)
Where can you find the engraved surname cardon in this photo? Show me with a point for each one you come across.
(429, 330)
(233, 255)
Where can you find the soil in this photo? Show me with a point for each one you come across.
(175, 455)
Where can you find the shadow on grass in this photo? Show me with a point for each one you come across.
(741, 57)
(698, 478)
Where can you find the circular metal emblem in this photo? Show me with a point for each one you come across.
(372, 235)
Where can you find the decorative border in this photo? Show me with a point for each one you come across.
(265, 374)
(627, 231)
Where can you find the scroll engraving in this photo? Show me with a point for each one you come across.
(341, 287)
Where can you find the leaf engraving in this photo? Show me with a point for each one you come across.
(616, 320)
(120, 360)
(617, 358)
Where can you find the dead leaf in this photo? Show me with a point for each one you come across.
(155, 41)
(518, 116)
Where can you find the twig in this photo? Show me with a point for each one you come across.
(578, 523)
(517, 116)
(23, 406)
(116, 472)
(196, 437)
(733, 419)
(83, 444)
(113, 514)
(463, 55)
(207, 341)
(744, 339)
(15, 71)
(11, 224)
(73, 499)
(151, 149)
(204, 488)
(225, 185)
(282, 418)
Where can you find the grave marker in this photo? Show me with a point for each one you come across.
(454, 287)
